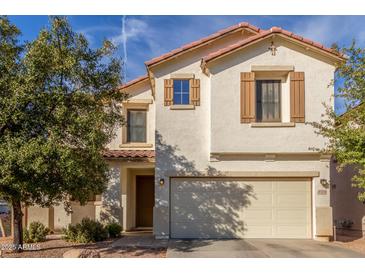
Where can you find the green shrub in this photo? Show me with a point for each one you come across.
(114, 230)
(86, 232)
(37, 232)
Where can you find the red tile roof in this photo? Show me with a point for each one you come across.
(201, 41)
(129, 153)
(261, 34)
(264, 34)
(135, 81)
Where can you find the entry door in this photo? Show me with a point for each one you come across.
(145, 200)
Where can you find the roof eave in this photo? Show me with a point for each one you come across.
(134, 82)
(325, 52)
(240, 27)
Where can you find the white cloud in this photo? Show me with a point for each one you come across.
(131, 28)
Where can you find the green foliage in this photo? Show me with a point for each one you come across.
(37, 232)
(114, 230)
(346, 133)
(87, 231)
(59, 106)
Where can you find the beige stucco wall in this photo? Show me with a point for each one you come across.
(111, 210)
(344, 198)
(185, 138)
(107, 210)
(61, 218)
(79, 212)
(39, 214)
(56, 218)
(225, 100)
(139, 95)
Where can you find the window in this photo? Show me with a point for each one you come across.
(181, 92)
(136, 126)
(268, 100)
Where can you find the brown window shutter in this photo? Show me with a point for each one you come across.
(297, 103)
(195, 92)
(248, 109)
(168, 91)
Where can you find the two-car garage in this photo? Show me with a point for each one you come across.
(240, 208)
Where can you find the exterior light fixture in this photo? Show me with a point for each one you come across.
(162, 182)
(324, 183)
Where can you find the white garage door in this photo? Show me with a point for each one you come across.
(240, 208)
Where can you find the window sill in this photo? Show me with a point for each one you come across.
(273, 124)
(182, 107)
(135, 145)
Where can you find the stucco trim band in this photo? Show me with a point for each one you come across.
(182, 107)
(182, 76)
(138, 101)
(272, 124)
(272, 68)
(245, 174)
(136, 145)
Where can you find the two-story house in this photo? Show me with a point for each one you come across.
(217, 143)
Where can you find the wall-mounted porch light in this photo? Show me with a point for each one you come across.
(162, 182)
(324, 183)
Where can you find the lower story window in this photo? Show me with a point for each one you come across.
(136, 126)
(268, 100)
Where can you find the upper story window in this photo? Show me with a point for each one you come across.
(268, 100)
(181, 92)
(136, 126)
(272, 97)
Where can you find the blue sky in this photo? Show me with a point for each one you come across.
(145, 37)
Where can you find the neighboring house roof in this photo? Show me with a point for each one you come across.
(202, 41)
(129, 154)
(264, 34)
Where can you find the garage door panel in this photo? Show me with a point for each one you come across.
(298, 216)
(257, 215)
(188, 215)
(259, 186)
(205, 230)
(293, 186)
(292, 200)
(220, 216)
(258, 231)
(208, 185)
(240, 208)
(261, 200)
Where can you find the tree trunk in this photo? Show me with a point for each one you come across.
(17, 226)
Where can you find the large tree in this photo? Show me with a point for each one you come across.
(346, 133)
(59, 106)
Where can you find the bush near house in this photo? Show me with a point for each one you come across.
(345, 223)
(37, 232)
(87, 231)
(114, 230)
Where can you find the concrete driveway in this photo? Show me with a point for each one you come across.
(257, 248)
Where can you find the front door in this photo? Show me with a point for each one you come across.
(145, 200)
